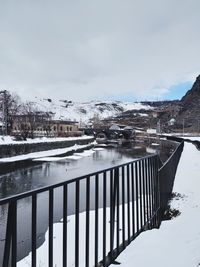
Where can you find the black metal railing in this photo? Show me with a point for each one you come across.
(118, 203)
(167, 174)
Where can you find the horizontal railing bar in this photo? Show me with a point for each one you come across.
(46, 188)
(172, 155)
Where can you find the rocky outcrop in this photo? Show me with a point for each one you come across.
(190, 103)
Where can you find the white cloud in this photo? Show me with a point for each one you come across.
(84, 49)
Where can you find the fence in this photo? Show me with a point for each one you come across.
(118, 204)
(166, 178)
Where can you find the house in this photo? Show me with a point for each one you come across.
(40, 124)
(64, 128)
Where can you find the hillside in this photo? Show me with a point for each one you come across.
(190, 103)
(83, 112)
(186, 112)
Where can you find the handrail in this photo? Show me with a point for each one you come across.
(166, 178)
(172, 155)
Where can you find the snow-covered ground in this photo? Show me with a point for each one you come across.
(193, 138)
(8, 140)
(42, 252)
(177, 242)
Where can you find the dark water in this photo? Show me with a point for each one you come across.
(44, 174)
(47, 173)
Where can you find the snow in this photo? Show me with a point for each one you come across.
(143, 114)
(114, 127)
(150, 150)
(44, 155)
(151, 131)
(98, 148)
(7, 140)
(75, 156)
(42, 256)
(86, 153)
(193, 138)
(155, 144)
(136, 106)
(175, 244)
(83, 112)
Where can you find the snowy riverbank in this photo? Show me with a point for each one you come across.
(8, 140)
(44, 155)
(12, 150)
(177, 242)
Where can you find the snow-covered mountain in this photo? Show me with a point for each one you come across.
(83, 112)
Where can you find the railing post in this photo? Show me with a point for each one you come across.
(144, 192)
(96, 218)
(77, 224)
(11, 236)
(51, 199)
(113, 199)
(111, 215)
(133, 200)
(87, 230)
(128, 202)
(65, 206)
(34, 229)
(117, 204)
(140, 193)
(104, 217)
(137, 196)
(158, 193)
(123, 208)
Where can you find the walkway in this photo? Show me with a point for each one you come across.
(177, 242)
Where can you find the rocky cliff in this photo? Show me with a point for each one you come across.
(190, 103)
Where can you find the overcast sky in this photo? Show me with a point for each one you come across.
(99, 49)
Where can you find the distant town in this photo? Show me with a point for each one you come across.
(47, 118)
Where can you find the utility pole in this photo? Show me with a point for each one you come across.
(183, 126)
(158, 130)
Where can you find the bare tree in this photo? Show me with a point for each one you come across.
(10, 104)
(34, 118)
(29, 119)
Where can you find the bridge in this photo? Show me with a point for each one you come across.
(118, 204)
(107, 133)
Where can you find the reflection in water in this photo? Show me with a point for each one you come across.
(48, 173)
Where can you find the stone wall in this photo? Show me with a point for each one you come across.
(11, 150)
